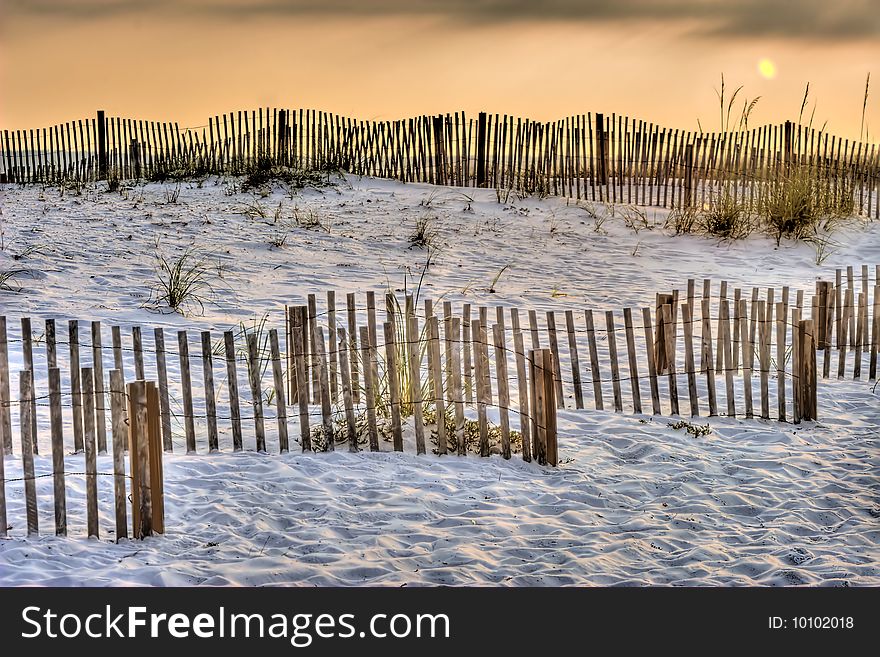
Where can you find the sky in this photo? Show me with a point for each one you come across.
(657, 60)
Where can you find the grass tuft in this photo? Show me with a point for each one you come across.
(182, 282)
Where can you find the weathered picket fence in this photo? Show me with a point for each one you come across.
(134, 414)
(386, 385)
(590, 156)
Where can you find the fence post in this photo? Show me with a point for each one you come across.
(482, 141)
(602, 151)
(541, 375)
(807, 369)
(135, 157)
(102, 146)
(281, 138)
(145, 453)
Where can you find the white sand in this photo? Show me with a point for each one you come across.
(634, 501)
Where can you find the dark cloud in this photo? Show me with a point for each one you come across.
(835, 20)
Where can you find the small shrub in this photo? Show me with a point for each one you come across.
(424, 235)
(113, 182)
(683, 220)
(727, 216)
(255, 210)
(310, 220)
(696, 430)
(471, 433)
(278, 239)
(172, 194)
(635, 218)
(265, 171)
(183, 282)
(6, 276)
(796, 204)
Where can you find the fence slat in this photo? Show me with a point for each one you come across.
(100, 392)
(669, 346)
(632, 357)
(503, 387)
(466, 357)
(210, 396)
(594, 360)
(89, 442)
(254, 378)
(26, 396)
(457, 397)
(415, 382)
(5, 415)
(747, 355)
(707, 357)
(525, 423)
(439, 403)
(369, 388)
(554, 349)
(119, 429)
(393, 385)
(347, 393)
(278, 381)
(189, 421)
(480, 364)
(300, 373)
(57, 432)
(764, 322)
(652, 361)
(351, 308)
(575, 364)
(615, 368)
(75, 384)
(687, 316)
(232, 387)
(164, 402)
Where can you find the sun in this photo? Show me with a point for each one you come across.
(767, 69)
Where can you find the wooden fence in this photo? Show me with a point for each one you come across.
(383, 386)
(589, 156)
(134, 414)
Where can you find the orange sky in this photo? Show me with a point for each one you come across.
(187, 60)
